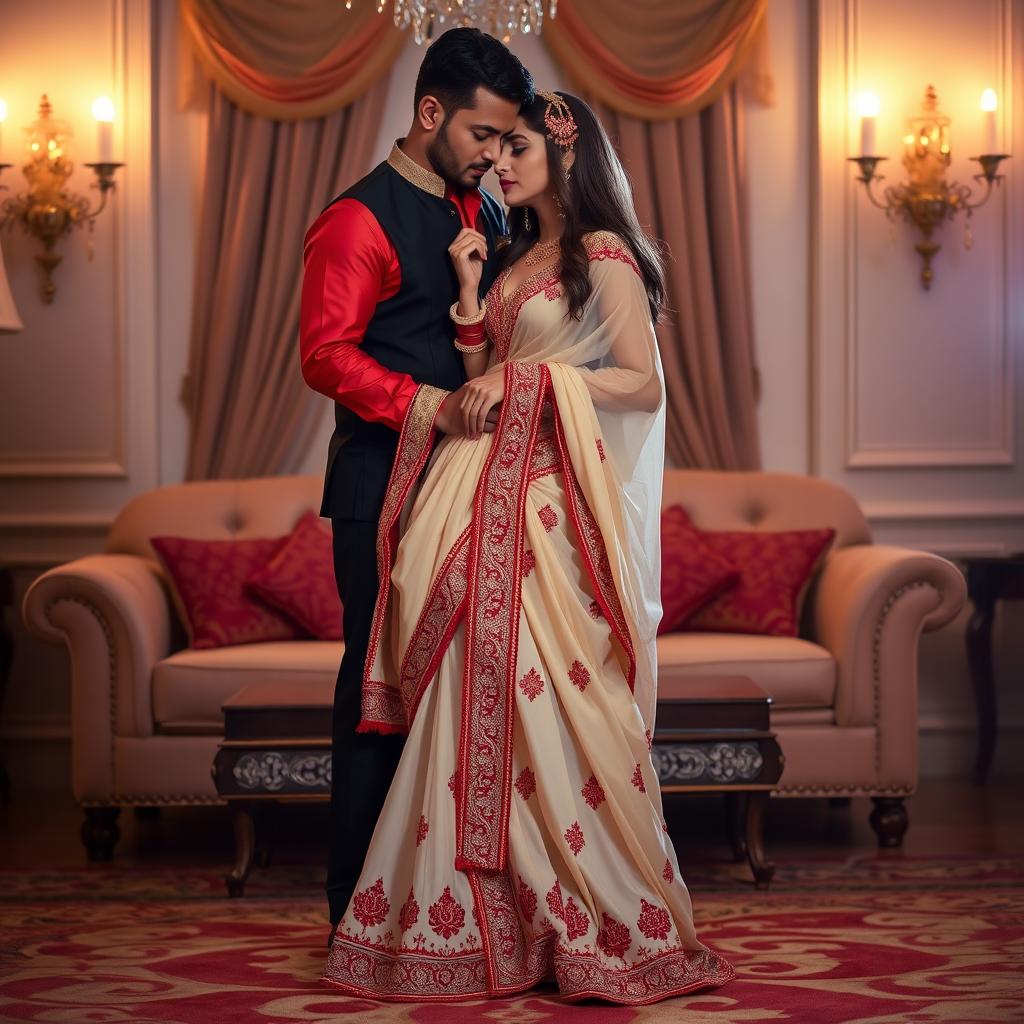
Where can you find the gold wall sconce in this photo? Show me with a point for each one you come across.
(927, 198)
(47, 210)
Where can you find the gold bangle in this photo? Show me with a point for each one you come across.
(468, 321)
(472, 348)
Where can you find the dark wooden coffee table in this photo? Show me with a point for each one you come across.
(276, 748)
(712, 734)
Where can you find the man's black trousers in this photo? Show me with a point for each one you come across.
(362, 764)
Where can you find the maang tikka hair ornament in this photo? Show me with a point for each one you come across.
(559, 122)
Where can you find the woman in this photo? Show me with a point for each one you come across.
(514, 638)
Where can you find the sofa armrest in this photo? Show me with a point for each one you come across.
(871, 603)
(113, 614)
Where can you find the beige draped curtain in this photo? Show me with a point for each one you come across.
(266, 181)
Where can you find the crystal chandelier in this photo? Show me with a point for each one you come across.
(498, 17)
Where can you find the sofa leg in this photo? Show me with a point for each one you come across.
(889, 820)
(100, 832)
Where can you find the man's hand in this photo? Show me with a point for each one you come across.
(473, 408)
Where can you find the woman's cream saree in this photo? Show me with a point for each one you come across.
(513, 641)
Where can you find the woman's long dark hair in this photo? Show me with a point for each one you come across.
(596, 196)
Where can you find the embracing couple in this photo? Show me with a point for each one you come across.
(494, 486)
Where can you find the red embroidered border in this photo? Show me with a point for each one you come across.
(492, 625)
(381, 708)
(595, 554)
(436, 625)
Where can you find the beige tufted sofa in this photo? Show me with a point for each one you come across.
(146, 710)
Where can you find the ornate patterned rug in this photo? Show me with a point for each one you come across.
(884, 940)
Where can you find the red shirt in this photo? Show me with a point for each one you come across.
(349, 266)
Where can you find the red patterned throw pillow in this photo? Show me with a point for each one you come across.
(691, 572)
(299, 579)
(775, 572)
(208, 578)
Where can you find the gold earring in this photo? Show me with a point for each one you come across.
(526, 218)
(558, 206)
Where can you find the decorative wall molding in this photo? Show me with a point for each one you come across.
(842, 262)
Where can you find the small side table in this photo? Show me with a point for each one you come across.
(990, 579)
(277, 747)
(712, 734)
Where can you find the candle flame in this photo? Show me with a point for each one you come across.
(103, 109)
(988, 99)
(868, 104)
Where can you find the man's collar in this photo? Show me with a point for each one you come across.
(415, 174)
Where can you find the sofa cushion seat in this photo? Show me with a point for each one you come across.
(190, 686)
(795, 673)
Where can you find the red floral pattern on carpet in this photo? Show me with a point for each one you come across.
(299, 579)
(862, 940)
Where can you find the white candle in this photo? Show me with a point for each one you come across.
(990, 143)
(867, 106)
(103, 111)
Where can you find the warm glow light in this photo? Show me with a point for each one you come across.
(908, 140)
(988, 99)
(868, 104)
(103, 109)
(3, 110)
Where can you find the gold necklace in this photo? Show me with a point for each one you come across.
(540, 251)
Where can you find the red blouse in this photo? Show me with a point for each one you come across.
(350, 266)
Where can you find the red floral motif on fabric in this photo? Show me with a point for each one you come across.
(421, 830)
(529, 562)
(409, 914)
(638, 779)
(531, 684)
(613, 937)
(527, 900)
(552, 291)
(492, 624)
(600, 450)
(371, 906)
(594, 610)
(451, 782)
(649, 738)
(526, 784)
(576, 922)
(548, 517)
(574, 837)
(667, 873)
(579, 675)
(592, 792)
(654, 921)
(446, 916)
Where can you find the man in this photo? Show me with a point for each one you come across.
(376, 336)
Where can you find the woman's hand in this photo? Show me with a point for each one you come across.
(468, 252)
(480, 395)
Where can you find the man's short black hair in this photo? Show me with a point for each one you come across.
(461, 60)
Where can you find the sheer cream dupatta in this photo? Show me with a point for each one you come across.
(601, 377)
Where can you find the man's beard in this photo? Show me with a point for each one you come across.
(444, 161)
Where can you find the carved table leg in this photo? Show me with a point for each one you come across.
(736, 824)
(981, 588)
(245, 847)
(889, 820)
(100, 832)
(763, 869)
